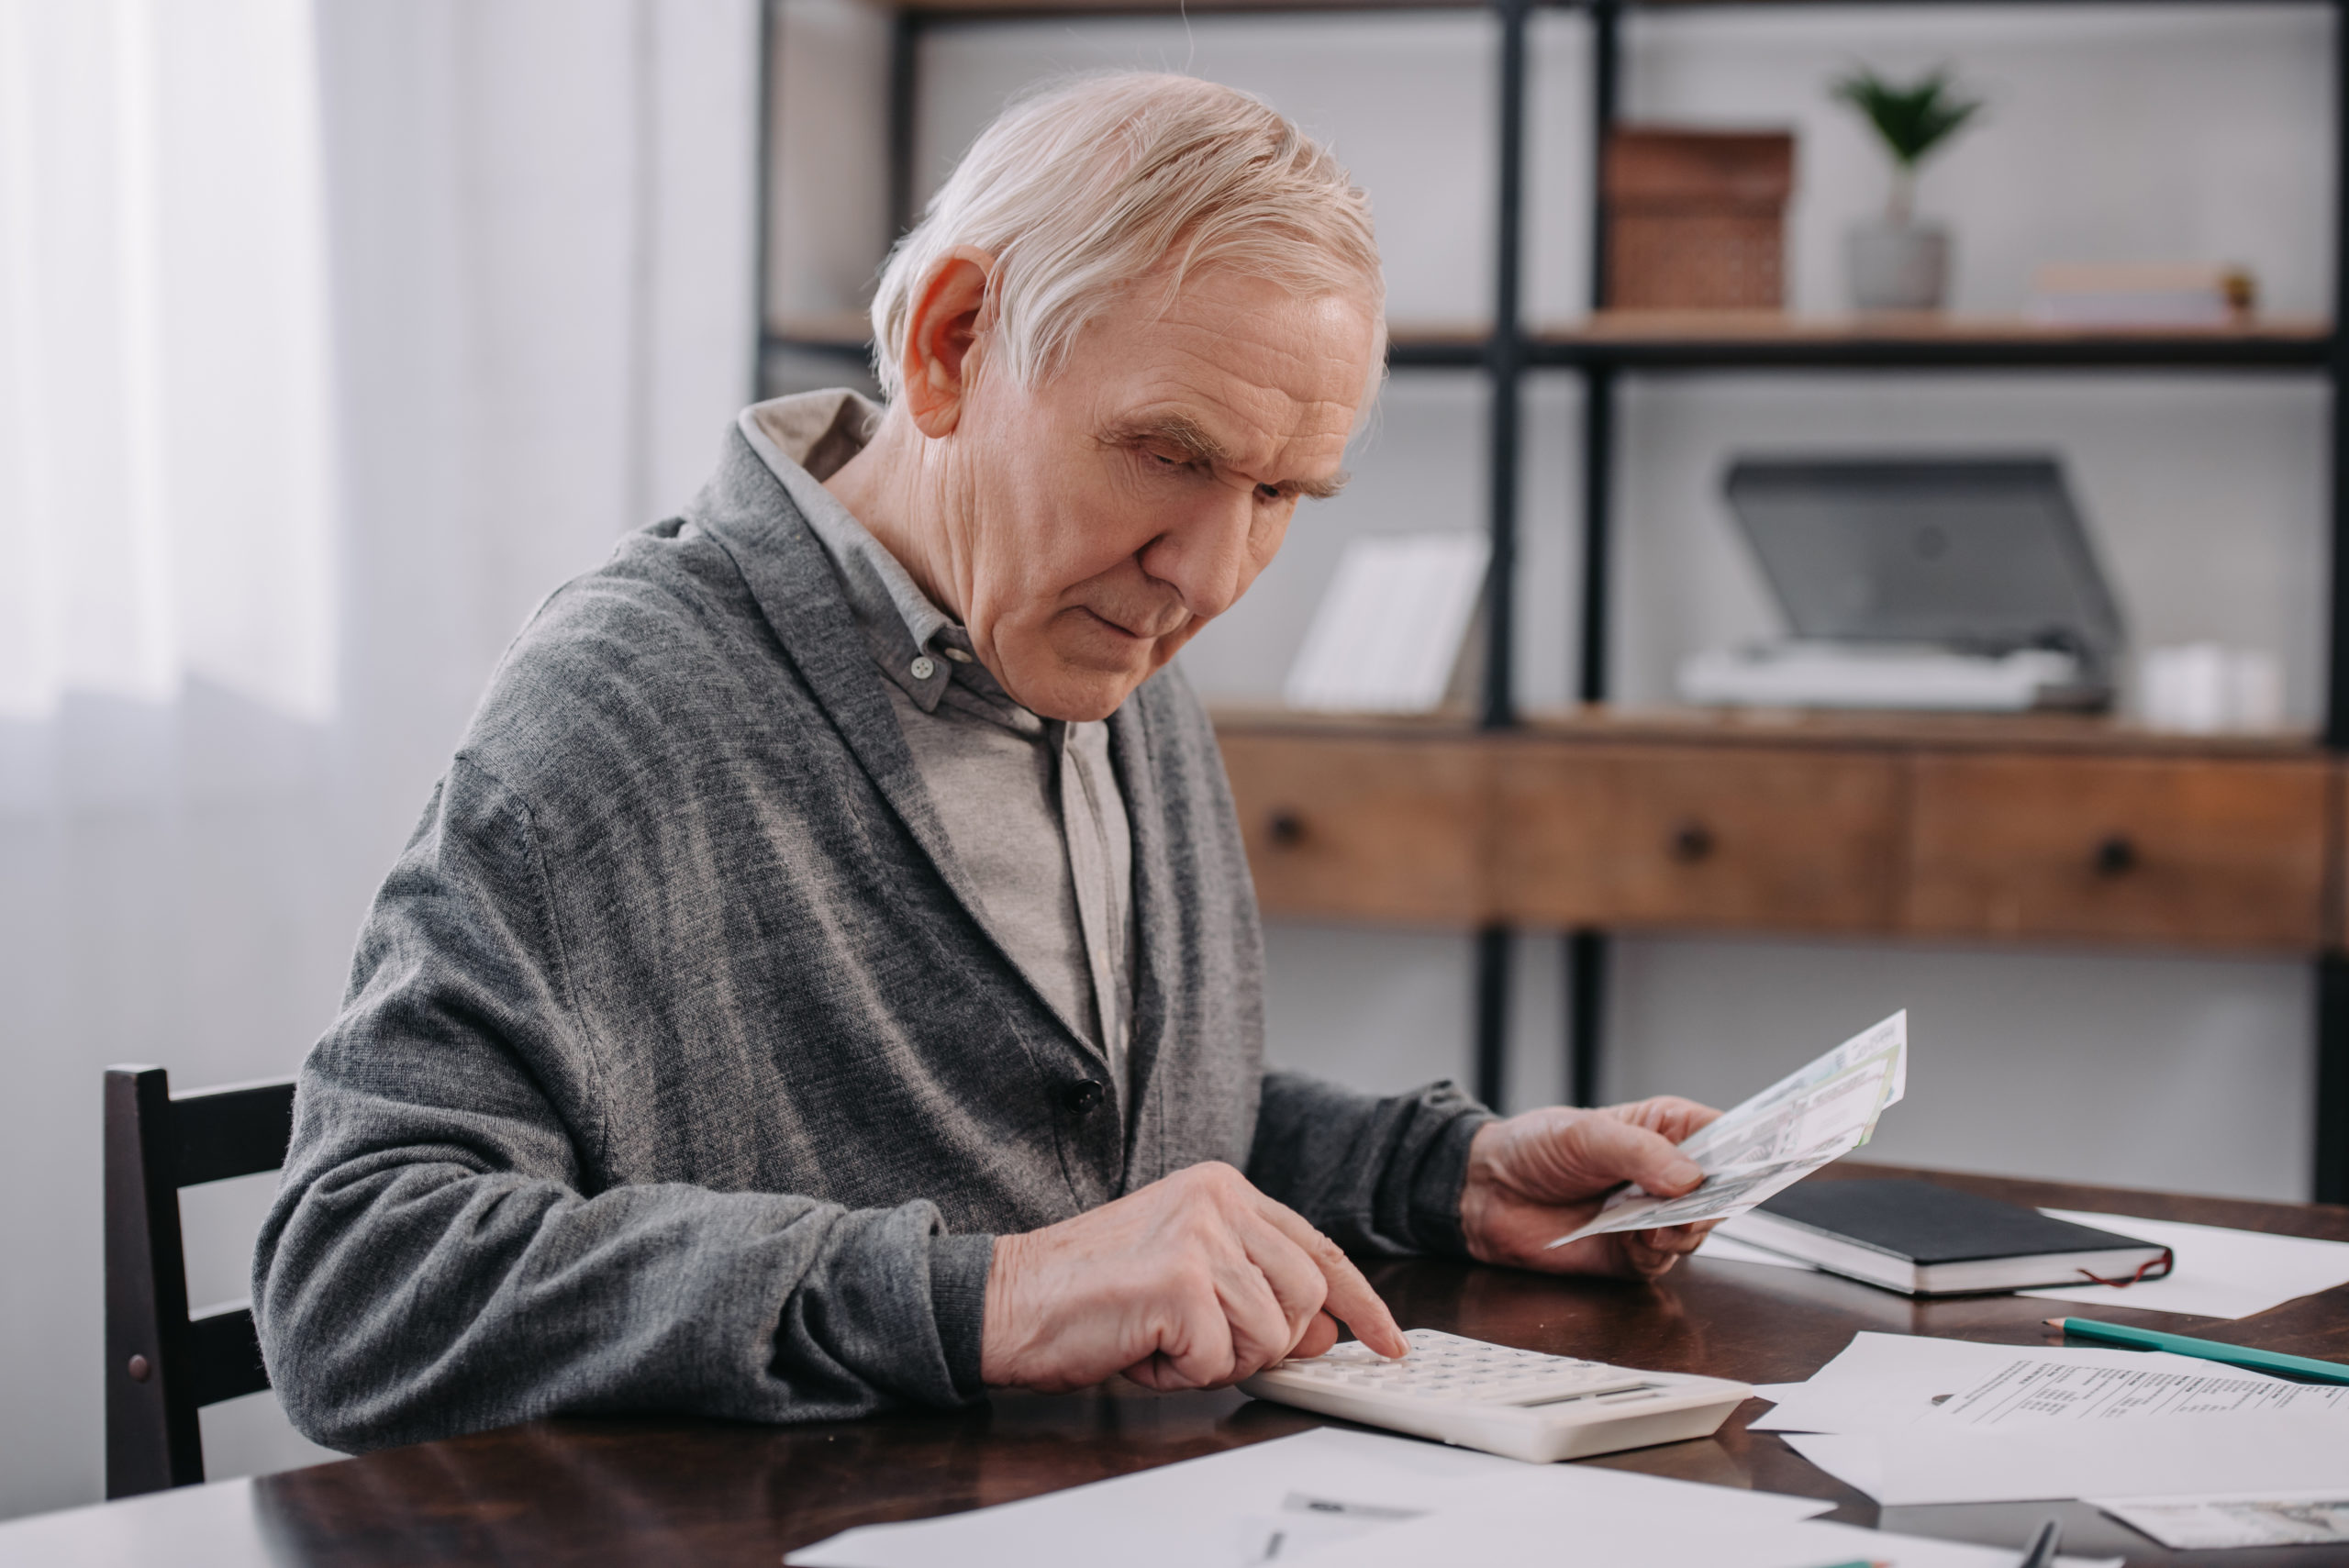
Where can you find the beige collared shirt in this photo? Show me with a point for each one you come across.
(1030, 805)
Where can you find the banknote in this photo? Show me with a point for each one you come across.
(1816, 1114)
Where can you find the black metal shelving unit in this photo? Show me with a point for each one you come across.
(1510, 352)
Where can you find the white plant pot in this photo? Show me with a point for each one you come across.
(1898, 266)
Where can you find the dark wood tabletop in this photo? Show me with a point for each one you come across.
(668, 1491)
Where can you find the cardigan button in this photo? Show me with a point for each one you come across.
(1082, 1096)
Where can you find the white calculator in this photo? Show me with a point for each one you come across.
(1520, 1404)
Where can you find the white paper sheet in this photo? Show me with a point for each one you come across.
(1776, 1392)
(1884, 1383)
(2162, 1456)
(1589, 1521)
(2220, 1273)
(1854, 1459)
(1950, 1465)
(2032, 1391)
(1912, 1420)
(2242, 1518)
(1726, 1249)
(1257, 1504)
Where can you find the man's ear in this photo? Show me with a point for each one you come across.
(940, 357)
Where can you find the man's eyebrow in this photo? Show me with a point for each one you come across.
(1191, 438)
(1180, 432)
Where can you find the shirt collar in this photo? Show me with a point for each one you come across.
(804, 438)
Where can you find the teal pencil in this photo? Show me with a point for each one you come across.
(2207, 1350)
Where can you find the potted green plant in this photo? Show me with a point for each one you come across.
(1898, 263)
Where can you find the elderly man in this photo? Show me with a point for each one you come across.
(827, 976)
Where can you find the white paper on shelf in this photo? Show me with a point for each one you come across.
(2240, 1518)
(1389, 629)
(2220, 1273)
(1269, 1501)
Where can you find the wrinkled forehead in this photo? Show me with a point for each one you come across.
(1276, 376)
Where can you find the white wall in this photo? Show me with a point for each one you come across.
(542, 221)
(2112, 133)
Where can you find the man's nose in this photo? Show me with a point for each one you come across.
(1204, 558)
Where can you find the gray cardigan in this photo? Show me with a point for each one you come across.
(676, 1073)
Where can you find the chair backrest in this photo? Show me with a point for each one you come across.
(162, 1364)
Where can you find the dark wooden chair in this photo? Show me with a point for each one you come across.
(163, 1366)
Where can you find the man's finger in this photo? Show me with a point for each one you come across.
(1320, 1335)
(1270, 1291)
(1197, 1351)
(1296, 1278)
(1350, 1300)
(1667, 1113)
(1627, 1153)
(1679, 1237)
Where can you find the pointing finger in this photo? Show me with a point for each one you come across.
(1351, 1299)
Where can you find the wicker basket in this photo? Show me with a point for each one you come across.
(1695, 219)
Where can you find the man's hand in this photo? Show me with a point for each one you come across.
(1534, 1177)
(1196, 1281)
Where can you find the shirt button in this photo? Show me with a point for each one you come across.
(1082, 1096)
(923, 668)
(956, 655)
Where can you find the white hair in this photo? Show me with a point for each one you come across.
(1094, 184)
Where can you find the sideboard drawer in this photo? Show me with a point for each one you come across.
(1800, 839)
(1363, 829)
(2198, 851)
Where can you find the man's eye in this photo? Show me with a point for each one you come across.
(1269, 492)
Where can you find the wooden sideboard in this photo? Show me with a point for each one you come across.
(2039, 828)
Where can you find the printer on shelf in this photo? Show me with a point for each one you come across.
(1963, 584)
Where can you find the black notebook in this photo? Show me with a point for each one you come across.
(1923, 1240)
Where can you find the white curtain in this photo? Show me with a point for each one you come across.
(165, 467)
(333, 334)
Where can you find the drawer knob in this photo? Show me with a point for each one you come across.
(2116, 856)
(1286, 828)
(1691, 842)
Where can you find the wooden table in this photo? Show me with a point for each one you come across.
(670, 1491)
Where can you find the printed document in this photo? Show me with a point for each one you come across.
(2032, 1392)
(2268, 1519)
(1884, 1382)
(1912, 1420)
(1781, 1135)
